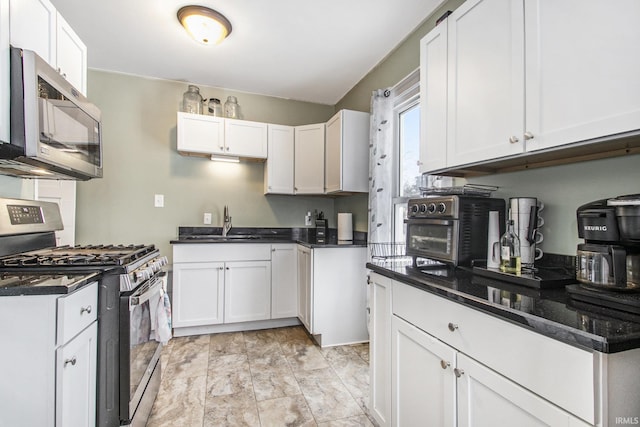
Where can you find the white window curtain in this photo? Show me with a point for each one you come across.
(381, 166)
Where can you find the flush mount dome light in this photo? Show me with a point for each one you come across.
(203, 24)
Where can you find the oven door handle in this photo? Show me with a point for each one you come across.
(135, 301)
(423, 221)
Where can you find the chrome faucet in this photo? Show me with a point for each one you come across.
(227, 221)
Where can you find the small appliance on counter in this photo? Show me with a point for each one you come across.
(610, 257)
(345, 227)
(321, 228)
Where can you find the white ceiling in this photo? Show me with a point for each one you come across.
(296, 49)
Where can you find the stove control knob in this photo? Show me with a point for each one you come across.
(413, 209)
(442, 208)
(423, 208)
(431, 208)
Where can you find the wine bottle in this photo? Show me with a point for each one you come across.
(510, 251)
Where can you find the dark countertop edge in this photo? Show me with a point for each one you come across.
(50, 290)
(313, 245)
(566, 334)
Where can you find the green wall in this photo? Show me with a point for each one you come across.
(140, 160)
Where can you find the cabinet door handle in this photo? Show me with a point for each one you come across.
(458, 372)
(222, 147)
(86, 309)
(227, 268)
(513, 139)
(368, 280)
(452, 326)
(528, 136)
(227, 148)
(444, 364)
(418, 163)
(72, 361)
(220, 268)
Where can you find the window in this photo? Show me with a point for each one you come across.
(407, 172)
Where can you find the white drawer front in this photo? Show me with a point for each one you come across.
(209, 252)
(559, 372)
(76, 312)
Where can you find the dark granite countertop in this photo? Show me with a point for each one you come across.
(16, 284)
(549, 312)
(303, 236)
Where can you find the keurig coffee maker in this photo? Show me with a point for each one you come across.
(610, 256)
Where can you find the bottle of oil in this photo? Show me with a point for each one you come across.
(510, 251)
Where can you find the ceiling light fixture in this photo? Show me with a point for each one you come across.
(203, 24)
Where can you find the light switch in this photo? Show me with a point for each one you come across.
(158, 201)
(207, 218)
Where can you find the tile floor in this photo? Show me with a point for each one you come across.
(273, 377)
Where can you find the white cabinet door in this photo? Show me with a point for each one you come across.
(309, 159)
(198, 293)
(71, 55)
(76, 380)
(488, 399)
(305, 287)
(247, 291)
(200, 134)
(433, 99)
(423, 384)
(582, 77)
(485, 81)
(347, 152)
(33, 27)
(284, 285)
(245, 138)
(380, 348)
(4, 71)
(278, 169)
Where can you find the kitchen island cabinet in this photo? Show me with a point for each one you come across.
(506, 351)
(515, 95)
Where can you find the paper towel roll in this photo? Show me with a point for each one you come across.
(493, 252)
(345, 227)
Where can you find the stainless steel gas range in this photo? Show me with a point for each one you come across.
(131, 305)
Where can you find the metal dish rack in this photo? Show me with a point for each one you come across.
(388, 250)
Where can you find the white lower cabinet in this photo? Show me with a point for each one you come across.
(247, 291)
(451, 365)
(284, 285)
(332, 294)
(380, 348)
(424, 386)
(56, 384)
(219, 285)
(198, 294)
(305, 290)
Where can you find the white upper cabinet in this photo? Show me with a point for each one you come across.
(485, 81)
(244, 138)
(200, 134)
(278, 169)
(347, 152)
(71, 55)
(309, 159)
(522, 77)
(4, 71)
(582, 74)
(433, 99)
(37, 26)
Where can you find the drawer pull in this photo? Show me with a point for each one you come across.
(514, 139)
(458, 372)
(528, 136)
(86, 309)
(452, 326)
(444, 364)
(72, 361)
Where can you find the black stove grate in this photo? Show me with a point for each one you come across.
(81, 255)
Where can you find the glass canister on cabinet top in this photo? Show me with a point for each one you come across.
(192, 100)
(231, 108)
(212, 107)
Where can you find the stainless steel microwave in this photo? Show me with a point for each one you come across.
(56, 132)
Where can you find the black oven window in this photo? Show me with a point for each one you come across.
(65, 127)
(431, 238)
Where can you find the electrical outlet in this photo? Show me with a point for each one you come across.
(158, 201)
(207, 218)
